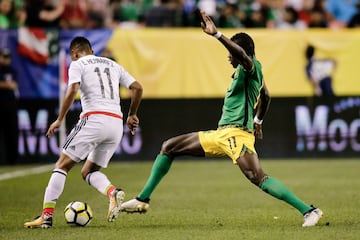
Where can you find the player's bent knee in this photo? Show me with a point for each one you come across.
(253, 177)
(166, 148)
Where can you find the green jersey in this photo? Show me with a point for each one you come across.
(241, 97)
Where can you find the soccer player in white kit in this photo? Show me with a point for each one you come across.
(99, 130)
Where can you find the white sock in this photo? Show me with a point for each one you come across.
(99, 181)
(55, 187)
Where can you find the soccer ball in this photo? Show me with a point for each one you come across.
(78, 213)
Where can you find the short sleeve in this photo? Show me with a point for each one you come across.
(74, 73)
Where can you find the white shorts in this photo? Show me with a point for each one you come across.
(94, 137)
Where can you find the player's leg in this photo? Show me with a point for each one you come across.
(53, 191)
(108, 140)
(92, 175)
(186, 144)
(74, 148)
(250, 165)
(77, 145)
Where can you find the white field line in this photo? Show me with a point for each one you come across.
(26, 172)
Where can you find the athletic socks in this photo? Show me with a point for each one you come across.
(278, 190)
(99, 181)
(271, 185)
(160, 167)
(57, 182)
(53, 190)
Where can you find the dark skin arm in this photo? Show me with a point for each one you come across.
(234, 49)
(262, 108)
(132, 120)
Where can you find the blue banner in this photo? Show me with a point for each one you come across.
(29, 49)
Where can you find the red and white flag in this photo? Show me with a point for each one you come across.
(33, 43)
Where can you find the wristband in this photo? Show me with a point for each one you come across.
(217, 35)
(257, 120)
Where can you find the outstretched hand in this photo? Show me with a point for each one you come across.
(207, 24)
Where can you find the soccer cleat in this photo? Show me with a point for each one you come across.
(312, 217)
(40, 222)
(116, 200)
(135, 206)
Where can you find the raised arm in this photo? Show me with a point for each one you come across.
(234, 49)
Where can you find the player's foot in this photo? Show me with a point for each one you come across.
(116, 200)
(135, 206)
(40, 222)
(312, 217)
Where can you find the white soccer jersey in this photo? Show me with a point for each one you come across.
(99, 79)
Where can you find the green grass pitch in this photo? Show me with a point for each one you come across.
(200, 199)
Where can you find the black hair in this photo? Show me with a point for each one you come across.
(246, 42)
(310, 50)
(80, 43)
(294, 14)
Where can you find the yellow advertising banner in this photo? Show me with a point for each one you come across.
(187, 63)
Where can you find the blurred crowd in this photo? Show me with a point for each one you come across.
(90, 14)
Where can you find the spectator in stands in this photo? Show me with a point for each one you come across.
(9, 131)
(318, 15)
(97, 10)
(126, 13)
(278, 8)
(74, 15)
(319, 73)
(290, 20)
(296, 4)
(6, 8)
(231, 16)
(340, 12)
(167, 14)
(42, 13)
(190, 11)
(355, 20)
(304, 12)
(260, 15)
(19, 14)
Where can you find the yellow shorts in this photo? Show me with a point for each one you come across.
(229, 141)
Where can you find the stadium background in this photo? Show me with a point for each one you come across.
(183, 72)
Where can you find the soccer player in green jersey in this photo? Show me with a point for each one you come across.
(245, 104)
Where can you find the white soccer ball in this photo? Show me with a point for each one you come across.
(78, 213)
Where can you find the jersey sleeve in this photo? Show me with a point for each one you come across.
(74, 73)
(126, 79)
